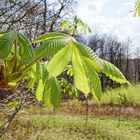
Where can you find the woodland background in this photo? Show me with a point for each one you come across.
(35, 17)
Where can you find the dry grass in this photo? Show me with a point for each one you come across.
(38, 123)
(110, 121)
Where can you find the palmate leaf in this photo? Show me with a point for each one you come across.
(52, 43)
(95, 83)
(59, 61)
(52, 93)
(86, 78)
(65, 25)
(39, 90)
(51, 47)
(80, 80)
(62, 49)
(26, 50)
(49, 36)
(38, 75)
(15, 77)
(86, 65)
(87, 52)
(45, 73)
(7, 40)
(2, 33)
(102, 66)
(137, 10)
(84, 28)
(31, 83)
(38, 71)
(113, 72)
(31, 76)
(89, 30)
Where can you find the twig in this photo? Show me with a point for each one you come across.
(87, 110)
(9, 121)
(11, 118)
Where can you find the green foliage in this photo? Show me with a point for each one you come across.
(59, 62)
(13, 104)
(7, 39)
(80, 79)
(122, 96)
(137, 9)
(52, 93)
(62, 50)
(113, 72)
(68, 88)
(90, 55)
(26, 51)
(69, 70)
(49, 36)
(74, 27)
(51, 46)
(39, 90)
(94, 80)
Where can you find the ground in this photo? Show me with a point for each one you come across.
(69, 123)
(117, 118)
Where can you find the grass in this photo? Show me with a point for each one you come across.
(31, 124)
(104, 123)
(128, 96)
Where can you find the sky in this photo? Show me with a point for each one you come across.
(111, 17)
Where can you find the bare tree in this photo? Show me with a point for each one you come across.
(34, 17)
(117, 52)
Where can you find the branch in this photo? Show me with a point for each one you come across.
(55, 18)
(9, 8)
(11, 118)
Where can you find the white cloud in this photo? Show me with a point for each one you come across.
(89, 9)
(122, 24)
(126, 9)
(97, 4)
